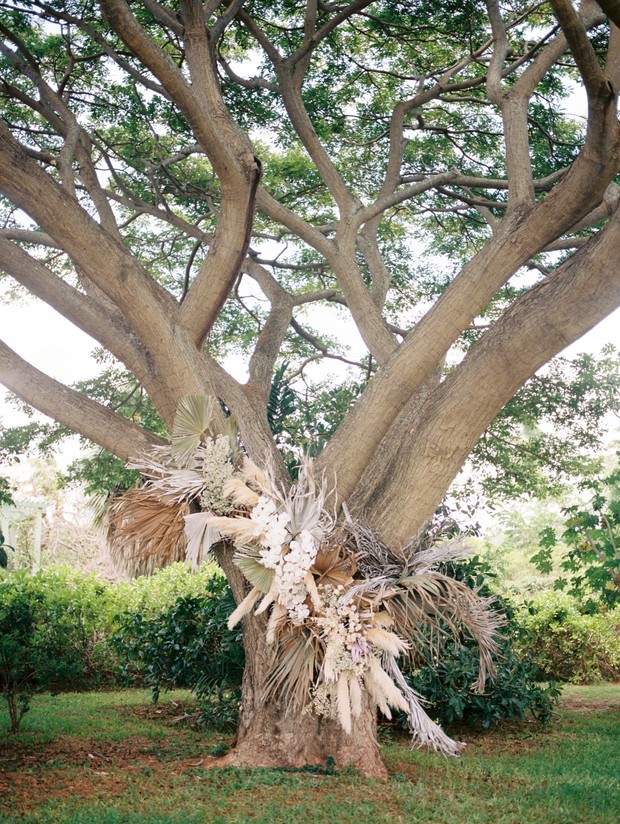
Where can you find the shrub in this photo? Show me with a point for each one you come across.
(50, 636)
(567, 645)
(445, 681)
(187, 645)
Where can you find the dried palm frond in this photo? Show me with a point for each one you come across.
(145, 533)
(427, 560)
(248, 561)
(372, 556)
(163, 474)
(305, 504)
(425, 732)
(200, 536)
(191, 425)
(433, 604)
(297, 655)
(334, 566)
(179, 485)
(157, 463)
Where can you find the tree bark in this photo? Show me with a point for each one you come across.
(272, 734)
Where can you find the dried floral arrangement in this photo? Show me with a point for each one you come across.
(342, 607)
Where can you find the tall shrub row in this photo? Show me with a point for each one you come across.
(61, 630)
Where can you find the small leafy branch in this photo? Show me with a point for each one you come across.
(592, 535)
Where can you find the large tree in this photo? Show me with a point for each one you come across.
(406, 164)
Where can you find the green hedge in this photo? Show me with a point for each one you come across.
(566, 644)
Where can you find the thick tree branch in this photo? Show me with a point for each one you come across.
(548, 318)
(77, 412)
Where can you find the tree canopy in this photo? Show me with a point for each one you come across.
(182, 181)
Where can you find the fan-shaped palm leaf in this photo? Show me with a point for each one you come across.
(145, 533)
(296, 660)
(200, 536)
(248, 561)
(191, 426)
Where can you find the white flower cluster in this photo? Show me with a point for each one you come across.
(290, 557)
(217, 468)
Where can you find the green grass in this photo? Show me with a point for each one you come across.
(109, 758)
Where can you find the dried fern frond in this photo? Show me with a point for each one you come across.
(191, 425)
(146, 534)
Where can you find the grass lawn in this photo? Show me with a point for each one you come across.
(114, 758)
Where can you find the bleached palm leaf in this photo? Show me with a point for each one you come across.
(305, 505)
(258, 575)
(296, 660)
(179, 485)
(191, 426)
(146, 534)
(200, 536)
(154, 464)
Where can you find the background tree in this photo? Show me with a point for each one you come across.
(174, 173)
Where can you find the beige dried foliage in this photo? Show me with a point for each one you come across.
(146, 534)
(297, 653)
(240, 494)
(241, 530)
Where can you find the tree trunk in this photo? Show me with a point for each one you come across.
(272, 734)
